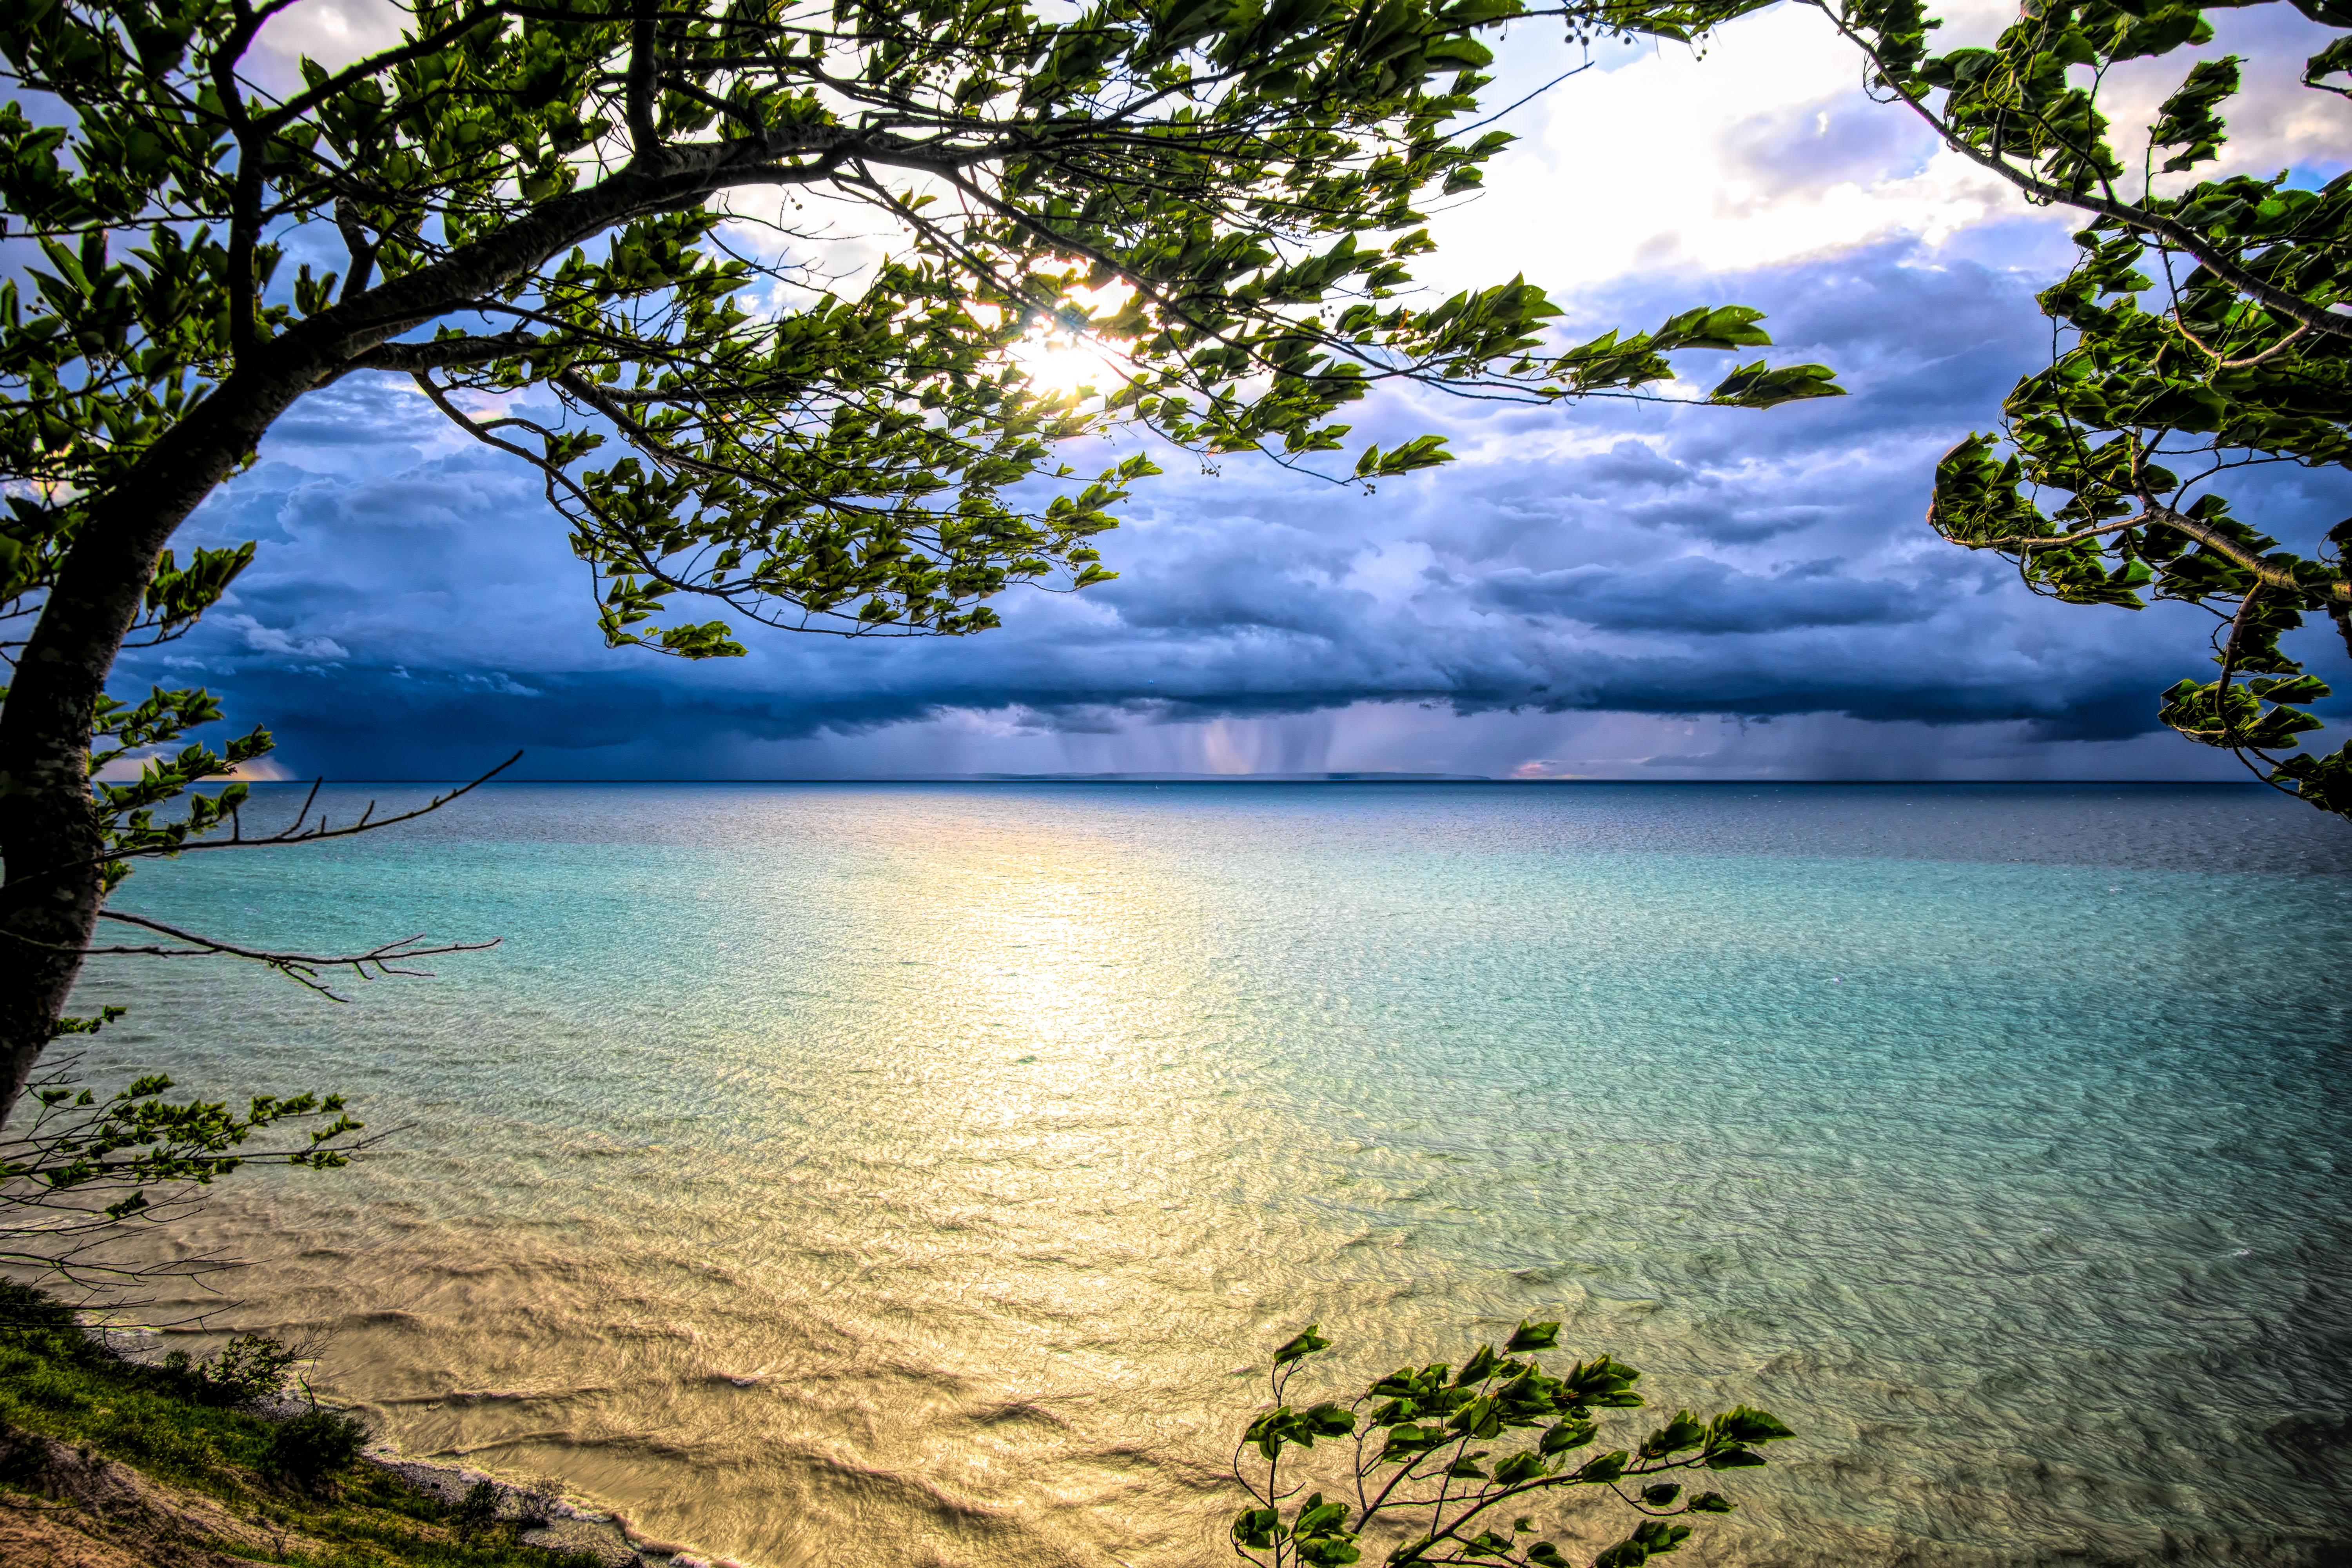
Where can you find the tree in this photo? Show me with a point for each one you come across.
(2201, 332)
(1418, 1470)
(605, 204)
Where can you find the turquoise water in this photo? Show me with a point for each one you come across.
(840, 1174)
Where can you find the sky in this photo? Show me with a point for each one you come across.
(1608, 590)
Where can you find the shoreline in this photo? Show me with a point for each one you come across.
(608, 1535)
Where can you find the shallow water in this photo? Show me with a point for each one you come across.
(851, 1175)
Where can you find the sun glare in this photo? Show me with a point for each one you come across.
(1057, 360)
(1066, 363)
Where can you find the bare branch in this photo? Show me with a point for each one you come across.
(298, 833)
(300, 967)
(2215, 354)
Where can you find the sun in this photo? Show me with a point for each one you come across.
(1058, 360)
(1066, 363)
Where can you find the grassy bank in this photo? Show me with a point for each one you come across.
(105, 1461)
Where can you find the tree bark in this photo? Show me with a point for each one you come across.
(49, 828)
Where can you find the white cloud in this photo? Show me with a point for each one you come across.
(1761, 150)
(332, 32)
(1766, 150)
(270, 639)
(500, 681)
(1391, 573)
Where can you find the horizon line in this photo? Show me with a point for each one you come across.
(1303, 779)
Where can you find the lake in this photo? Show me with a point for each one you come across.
(844, 1174)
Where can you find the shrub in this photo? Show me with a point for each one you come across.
(24, 1308)
(313, 1446)
(1427, 1481)
(478, 1510)
(36, 1325)
(538, 1500)
(249, 1367)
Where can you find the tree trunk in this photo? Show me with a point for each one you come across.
(50, 837)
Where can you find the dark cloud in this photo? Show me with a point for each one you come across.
(415, 610)
(1706, 598)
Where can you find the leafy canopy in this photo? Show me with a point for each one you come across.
(621, 207)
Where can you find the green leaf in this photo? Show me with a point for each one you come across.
(1683, 1432)
(1533, 1336)
(1567, 1436)
(1603, 1469)
(1517, 1467)
(1328, 1420)
(1257, 1528)
(1754, 386)
(2324, 781)
(1742, 1425)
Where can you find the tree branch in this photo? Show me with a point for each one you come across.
(296, 833)
(2215, 355)
(362, 253)
(481, 432)
(300, 967)
(2162, 516)
(2178, 235)
(644, 43)
(412, 359)
(245, 199)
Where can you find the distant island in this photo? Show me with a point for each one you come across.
(1201, 778)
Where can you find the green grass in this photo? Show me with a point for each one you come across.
(55, 1380)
